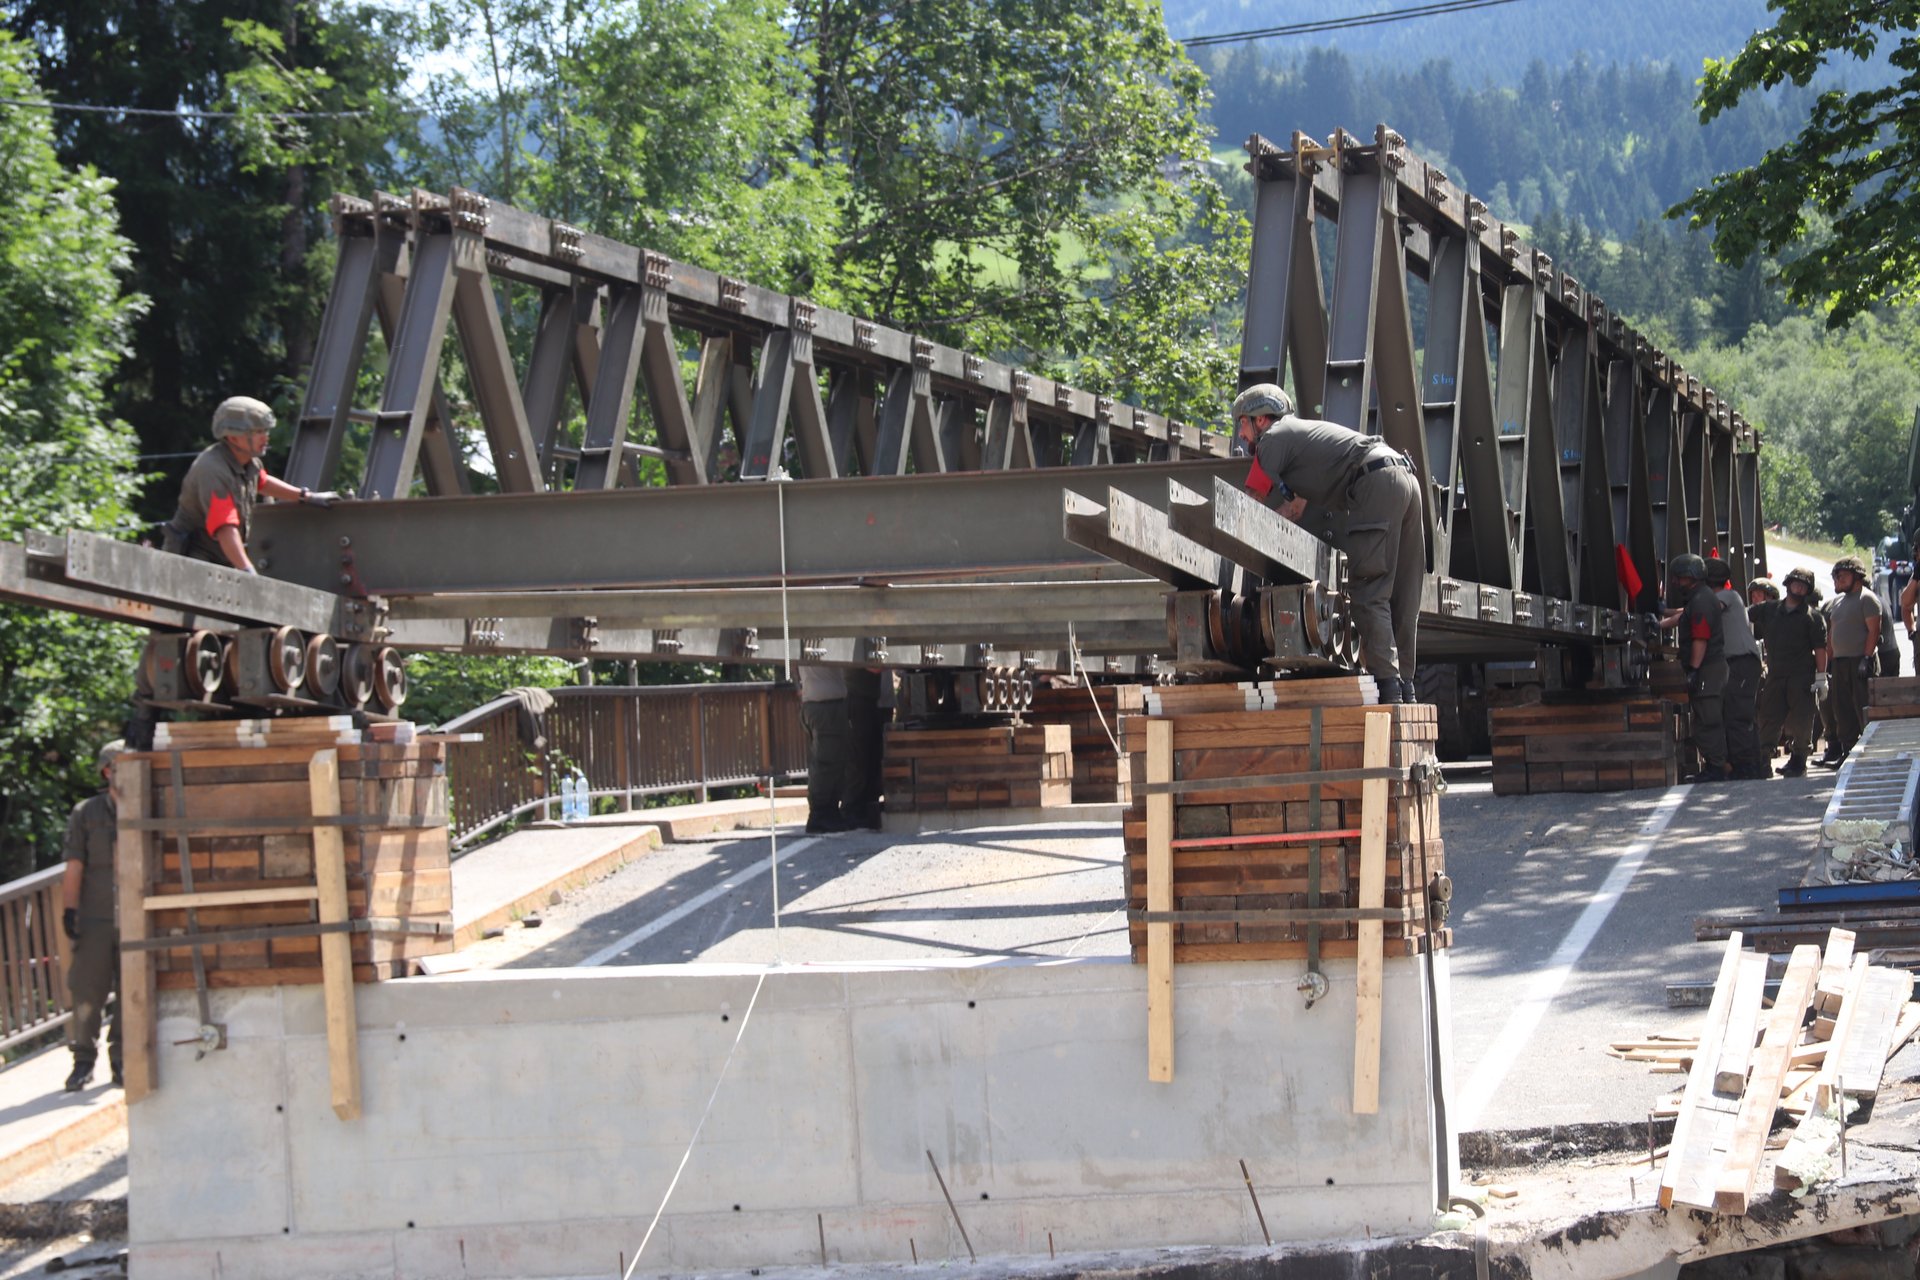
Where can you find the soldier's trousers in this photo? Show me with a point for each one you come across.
(1743, 692)
(829, 742)
(93, 976)
(1709, 714)
(1849, 695)
(1386, 550)
(1786, 704)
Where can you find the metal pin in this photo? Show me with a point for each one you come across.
(915, 1249)
(971, 1255)
(820, 1221)
(1248, 1179)
(1049, 1246)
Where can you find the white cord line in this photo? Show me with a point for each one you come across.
(688, 1153)
(773, 861)
(1094, 928)
(1080, 669)
(1547, 982)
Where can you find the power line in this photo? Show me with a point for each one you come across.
(182, 114)
(1340, 24)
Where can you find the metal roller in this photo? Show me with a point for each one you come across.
(204, 663)
(322, 664)
(357, 665)
(287, 658)
(389, 678)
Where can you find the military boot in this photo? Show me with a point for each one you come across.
(1796, 767)
(1389, 688)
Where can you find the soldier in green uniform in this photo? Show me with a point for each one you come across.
(90, 924)
(1298, 461)
(1795, 636)
(215, 513)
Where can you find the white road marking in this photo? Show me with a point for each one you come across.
(693, 904)
(1546, 983)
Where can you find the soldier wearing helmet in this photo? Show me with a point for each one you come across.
(215, 513)
(1302, 461)
(1760, 590)
(1794, 633)
(1853, 640)
(88, 919)
(1698, 617)
(1743, 674)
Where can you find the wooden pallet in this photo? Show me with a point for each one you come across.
(278, 864)
(998, 767)
(1612, 745)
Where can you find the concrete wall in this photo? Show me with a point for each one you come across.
(528, 1123)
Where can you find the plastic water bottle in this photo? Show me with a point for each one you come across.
(580, 805)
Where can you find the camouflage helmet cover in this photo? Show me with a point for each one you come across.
(238, 415)
(1767, 586)
(1688, 566)
(1851, 564)
(1261, 398)
(1801, 575)
(1719, 573)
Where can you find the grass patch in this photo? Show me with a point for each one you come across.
(1818, 550)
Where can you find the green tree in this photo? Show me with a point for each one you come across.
(1855, 161)
(224, 214)
(65, 462)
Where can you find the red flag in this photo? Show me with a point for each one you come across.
(1629, 576)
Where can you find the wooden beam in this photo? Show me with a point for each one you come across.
(233, 897)
(1160, 898)
(336, 949)
(1690, 1154)
(1370, 960)
(1747, 1148)
(1743, 1024)
(132, 869)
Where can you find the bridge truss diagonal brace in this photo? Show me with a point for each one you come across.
(483, 344)
(413, 369)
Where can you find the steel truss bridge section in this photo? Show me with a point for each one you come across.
(1550, 436)
(615, 321)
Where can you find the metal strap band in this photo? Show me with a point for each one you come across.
(1395, 773)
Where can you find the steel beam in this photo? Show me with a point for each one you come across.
(1239, 527)
(25, 582)
(602, 448)
(363, 257)
(938, 527)
(483, 344)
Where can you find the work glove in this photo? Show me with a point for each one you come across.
(70, 924)
(322, 498)
(1820, 682)
(1696, 682)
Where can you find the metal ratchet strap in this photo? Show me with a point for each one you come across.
(186, 883)
(1313, 847)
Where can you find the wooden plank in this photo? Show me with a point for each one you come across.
(234, 897)
(1369, 966)
(1856, 984)
(132, 869)
(1160, 898)
(1903, 1030)
(1865, 1055)
(1834, 967)
(1748, 1147)
(1691, 1148)
(336, 949)
(1743, 1024)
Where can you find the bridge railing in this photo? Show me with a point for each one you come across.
(33, 977)
(627, 741)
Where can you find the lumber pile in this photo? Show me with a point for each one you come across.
(999, 767)
(1091, 714)
(1246, 850)
(1893, 698)
(1821, 1046)
(244, 809)
(278, 852)
(1289, 693)
(1611, 744)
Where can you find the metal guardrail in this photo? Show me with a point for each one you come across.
(627, 741)
(33, 977)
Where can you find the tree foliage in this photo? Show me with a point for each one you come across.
(65, 462)
(1855, 162)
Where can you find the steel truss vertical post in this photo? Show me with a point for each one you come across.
(1396, 378)
(603, 447)
(673, 418)
(847, 393)
(413, 366)
(1629, 464)
(1697, 477)
(819, 460)
(712, 383)
(366, 252)
(1491, 555)
(1356, 268)
(440, 469)
(960, 434)
(1726, 514)
(772, 389)
(483, 344)
(557, 355)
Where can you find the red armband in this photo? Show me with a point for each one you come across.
(1701, 629)
(1259, 483)
(221, 512)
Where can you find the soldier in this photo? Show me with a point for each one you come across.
(1795, 636)
(215, 514)
(87, 894)
(1702, 654)
(1743, 675)
(1301, 460)
(1853, 640)
(1761, 590)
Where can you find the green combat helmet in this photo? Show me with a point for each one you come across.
(1688, 566)
(1802, 574)
(1767, 587)
(1261, 398)
(238, 415)
(1852, 565)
